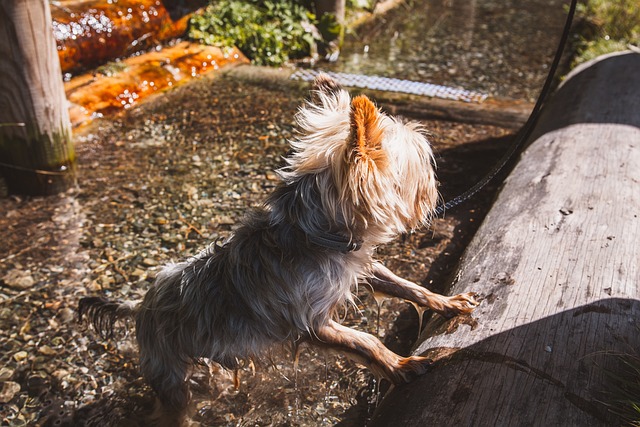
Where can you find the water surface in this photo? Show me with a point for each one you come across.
(499, 47)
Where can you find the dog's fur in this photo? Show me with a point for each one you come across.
(355, 175)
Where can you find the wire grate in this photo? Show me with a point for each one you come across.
(389, 84)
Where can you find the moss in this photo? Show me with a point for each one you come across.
(35, 163)
(605, 26)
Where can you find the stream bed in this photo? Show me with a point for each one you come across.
(172, 175)
(499, 47)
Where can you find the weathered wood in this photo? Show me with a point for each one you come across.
(556, 263)
(36, 153)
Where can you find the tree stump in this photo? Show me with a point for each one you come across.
(557, 266)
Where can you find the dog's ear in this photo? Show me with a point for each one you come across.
(365, 134)
(323, 85)
(366, 161)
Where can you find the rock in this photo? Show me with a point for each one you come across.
(60, 374)
(66, 315)
(18, 279)
(6, 373)
(149, 262)
(271, 176)
(224, 220)
(8, 391)
(138, 274)
(20, 356)
(47, 351)
(106, 281)
(160, 221)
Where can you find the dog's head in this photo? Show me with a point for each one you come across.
(376, 171)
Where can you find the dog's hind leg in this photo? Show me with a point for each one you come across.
(368, 350)
(167, 376)
(386, 282)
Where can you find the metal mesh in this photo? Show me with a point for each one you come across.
(393, 85)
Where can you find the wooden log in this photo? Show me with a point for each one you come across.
(557, 266)
(91, 32)
(36, 153)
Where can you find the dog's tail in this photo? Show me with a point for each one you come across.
(103, 314)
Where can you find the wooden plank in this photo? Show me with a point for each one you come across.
(556, 263)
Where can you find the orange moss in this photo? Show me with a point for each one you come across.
(95, 95)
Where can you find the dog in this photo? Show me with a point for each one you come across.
(354, 179)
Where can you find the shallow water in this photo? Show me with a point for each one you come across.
(499, 47)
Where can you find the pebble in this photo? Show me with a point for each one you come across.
(66, 315)
(8, 391)
(138, 273)
(60, 374)
(271, 176)
(105, 281)
(20, 356)
(224, 220)
(6, 373)
(47, 351)
(149, 262)
(18, 279)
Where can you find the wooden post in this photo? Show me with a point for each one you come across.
(555, 263)
(36, 153)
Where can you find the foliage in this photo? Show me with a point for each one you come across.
(329, 27)
(268, 32)
(606, 26)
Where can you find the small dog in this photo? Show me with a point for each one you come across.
(355, 179)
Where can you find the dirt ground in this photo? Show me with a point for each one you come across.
(156, 185)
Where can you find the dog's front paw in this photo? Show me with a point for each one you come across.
(459, 304)
(409, 368)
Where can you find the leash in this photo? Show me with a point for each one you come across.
(525, 131)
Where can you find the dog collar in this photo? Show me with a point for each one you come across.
(335, 242)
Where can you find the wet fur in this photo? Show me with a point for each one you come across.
(354, 173)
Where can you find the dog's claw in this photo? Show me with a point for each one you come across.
(410, 368)
(459, 304)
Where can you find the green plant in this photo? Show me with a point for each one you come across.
(268, 32)
(606, 26)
